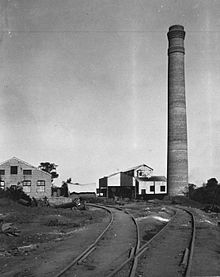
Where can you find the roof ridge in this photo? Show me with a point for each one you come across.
(25, 163)
(137, 166)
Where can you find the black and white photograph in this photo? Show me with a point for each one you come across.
(109, 138)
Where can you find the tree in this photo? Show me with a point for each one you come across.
(191, 189)
(212, 183)
(64, 188)
(50, 168)
(188, 190)
(209, 193)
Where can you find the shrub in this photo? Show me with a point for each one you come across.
(14, 193)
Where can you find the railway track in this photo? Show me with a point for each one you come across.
(182, 230)
(90, 248)
(186, 260)
(93, 249)
(132, 265)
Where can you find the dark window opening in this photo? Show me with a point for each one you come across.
(14, 170)
(27, 172)
(2, 172)
(162, 188)
(151, 188)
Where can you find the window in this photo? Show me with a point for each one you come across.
(143, 191)
(40, 186)
(26, 186)
(14, 170)
(27, 172)
(162, 188)
(151, 188)
(143, 173)
(2, 172)
(2, 185)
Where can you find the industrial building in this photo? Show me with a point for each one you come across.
(35, 182)
(134, 183)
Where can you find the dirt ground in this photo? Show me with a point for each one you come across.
(50, 238)
(111, 251)
(206, 260)
(47, 235)
(207, 242)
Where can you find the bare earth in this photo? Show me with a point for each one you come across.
(165, 253)
(112, 250)
(59, 245)
(55, 250)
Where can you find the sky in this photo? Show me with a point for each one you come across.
(83, 84)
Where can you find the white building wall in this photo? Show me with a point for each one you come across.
(145, 185)
(158, 186)
(114, 181)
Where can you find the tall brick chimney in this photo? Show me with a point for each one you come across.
(177, 156)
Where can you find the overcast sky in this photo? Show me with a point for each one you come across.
(83, 84)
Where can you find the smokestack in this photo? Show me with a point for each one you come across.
(177, 159)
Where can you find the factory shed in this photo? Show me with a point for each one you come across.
(117, 184)
(136, 182)
(121, 185)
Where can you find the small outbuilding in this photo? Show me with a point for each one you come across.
(152, 187)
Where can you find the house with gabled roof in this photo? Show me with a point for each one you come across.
(136, 182)
(35, 182)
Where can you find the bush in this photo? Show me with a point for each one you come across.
(207, 195)
(14, 193)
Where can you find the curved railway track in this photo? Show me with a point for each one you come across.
(91, 250)
(186, 259)
(132, 263)
(91, 247)
(189, 256)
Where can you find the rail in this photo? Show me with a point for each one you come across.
(139, 251)
(91, 247)
(191, 245)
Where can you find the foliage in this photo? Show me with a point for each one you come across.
(14, 193)
(69, 181)
(212, 183)
(64, 188)
(188, 190)
(209, 193)
(50, 168)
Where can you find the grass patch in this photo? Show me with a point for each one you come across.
(41, 224)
